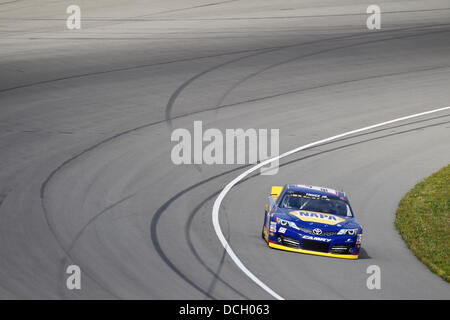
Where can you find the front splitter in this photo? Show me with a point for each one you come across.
(324, 254)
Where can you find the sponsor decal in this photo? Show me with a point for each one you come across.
(358, 239)
(316, 238)
(281, 230)
(317, 217)
(315, 195)
(273, 227)
(327, 190)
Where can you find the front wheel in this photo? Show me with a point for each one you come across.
(264, 223)
(264, 236)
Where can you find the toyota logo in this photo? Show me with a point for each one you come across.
(317, 231)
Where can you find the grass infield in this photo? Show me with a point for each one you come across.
(423, 220)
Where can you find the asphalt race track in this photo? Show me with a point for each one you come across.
(86, 117)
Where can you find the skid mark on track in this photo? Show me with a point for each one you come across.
(256, 73)
(77, 156)
(3, 197)
(191, 8)
(184, 85)
(95, 217)
(245, 174)
(321, 152)
(294, 161)
(154, 230)
(216, 273)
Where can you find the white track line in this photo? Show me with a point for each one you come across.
(216, 207)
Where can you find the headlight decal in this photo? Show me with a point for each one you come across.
(287, 223)
(349, 232)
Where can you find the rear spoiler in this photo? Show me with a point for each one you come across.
(276, 191)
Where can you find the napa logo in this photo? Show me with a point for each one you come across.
(317, 217)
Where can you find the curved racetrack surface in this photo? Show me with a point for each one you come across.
(86, 117)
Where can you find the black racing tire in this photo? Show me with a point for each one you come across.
(262, 235)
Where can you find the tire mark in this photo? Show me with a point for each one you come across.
(99, 19)
(149, 65)
(142, 66)
(188, 226)
(168, 110)
(68, 161)
(177, 92)
(254, 175)
(78, 155)
(3, 196)
(169, 62)
(193, 213)
(194, 252)
(137, 18)
(154, 230)
(95, 217)
(254, 74)
(124, 69)
(189, 8)
(276, 95)
(222, 259)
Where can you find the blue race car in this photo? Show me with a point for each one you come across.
(311, 220)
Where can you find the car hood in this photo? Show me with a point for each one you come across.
(311, 219)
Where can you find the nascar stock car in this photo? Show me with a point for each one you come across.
(313, 220)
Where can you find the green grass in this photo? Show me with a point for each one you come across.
(423, 220)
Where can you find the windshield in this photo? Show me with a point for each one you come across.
(315, 202)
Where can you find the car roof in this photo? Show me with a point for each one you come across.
(316, 190)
